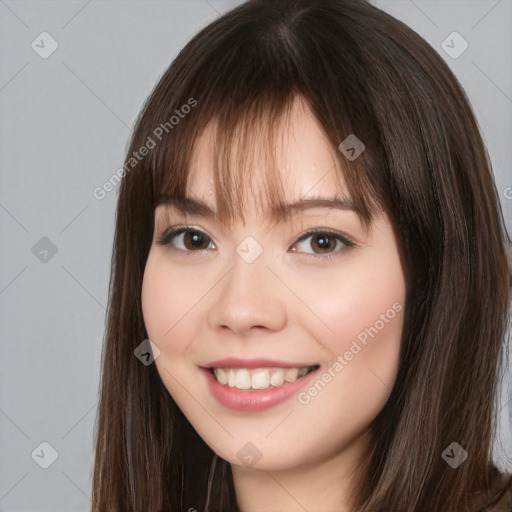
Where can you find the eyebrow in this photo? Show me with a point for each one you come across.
(196, 207)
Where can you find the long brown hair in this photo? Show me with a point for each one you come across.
(361, 72)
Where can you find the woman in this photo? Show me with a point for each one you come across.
(310, 278)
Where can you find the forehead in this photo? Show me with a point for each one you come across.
(303, 161)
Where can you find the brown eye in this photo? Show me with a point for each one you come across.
(192, 239)
(323, 242)
(326, 243)
(195, 240)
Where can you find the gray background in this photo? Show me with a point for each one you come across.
(64, 126)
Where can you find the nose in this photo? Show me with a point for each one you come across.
(249, 297)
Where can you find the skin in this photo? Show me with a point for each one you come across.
(204, 305)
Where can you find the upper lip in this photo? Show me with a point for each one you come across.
(234, 362)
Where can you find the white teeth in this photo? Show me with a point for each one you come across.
(291, 374)
(260, 378)
(231, 377)
(277, 378)
(221, 376)
(303, 372)
(243, 379)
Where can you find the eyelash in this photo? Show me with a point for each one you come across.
(174, 231)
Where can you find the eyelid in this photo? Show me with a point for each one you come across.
(177, 230)
(327, 231)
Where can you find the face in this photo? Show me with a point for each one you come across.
(279, 341)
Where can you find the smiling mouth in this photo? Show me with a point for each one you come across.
(259, 378)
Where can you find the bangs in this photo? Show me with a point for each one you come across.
(244, 92)
(241, 137)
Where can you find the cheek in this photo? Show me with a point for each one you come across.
(354, 296)
(154, 301)
(167, 302)
(168, 297)
(361, 311)
(359, 317)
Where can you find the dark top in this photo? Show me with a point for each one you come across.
(503, 502)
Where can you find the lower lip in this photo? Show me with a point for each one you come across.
(253, 400)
